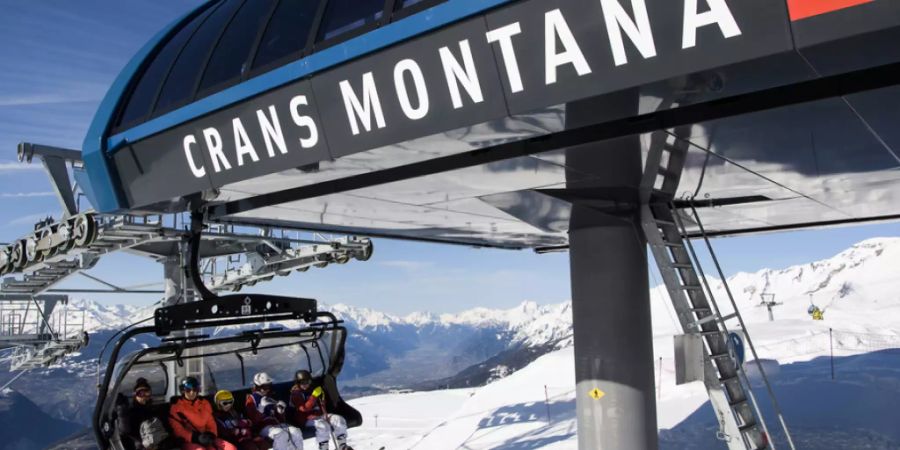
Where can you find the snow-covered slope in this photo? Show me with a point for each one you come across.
(535, 407)
(854, 411)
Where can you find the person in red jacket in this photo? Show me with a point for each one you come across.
(234, 426)
(191, 418)
(308, 404)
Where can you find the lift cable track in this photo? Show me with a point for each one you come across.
(39, 334)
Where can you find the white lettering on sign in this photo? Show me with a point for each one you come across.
(214, 147)
(629, 31)
(364, 109)
(504, 35)
(457, 75)
(304, 122)
(271, 129)
(555, 26)
(718, 14)
(639, 31)
(200, 171)
(411, 67)
(242, 143)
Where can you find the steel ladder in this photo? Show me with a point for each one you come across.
(741, 424)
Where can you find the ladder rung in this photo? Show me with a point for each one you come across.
(711, 332)
(747, 427)
(692, 287)
(682, 266)
(661, 193)
(673, 244)
(664, 171)
(701, 310)
(720, 356)
(664, 222)
(739, 403)
(728, 379)
(707, 319)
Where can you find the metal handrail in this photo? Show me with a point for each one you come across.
(771, 392)
(724, 326)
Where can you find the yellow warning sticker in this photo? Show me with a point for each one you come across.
(596, 394)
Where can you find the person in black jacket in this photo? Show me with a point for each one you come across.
(130, 417)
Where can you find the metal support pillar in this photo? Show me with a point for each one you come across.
(179, 289)
(46, 313)
(616, 408)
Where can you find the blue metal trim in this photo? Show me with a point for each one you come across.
(401, 30)
(84, 182)
(107, 195)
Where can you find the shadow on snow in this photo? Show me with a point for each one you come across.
(856, 410)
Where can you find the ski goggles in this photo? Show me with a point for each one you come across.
(225, 403)
(144, 393)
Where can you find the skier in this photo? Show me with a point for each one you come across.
(191, 418)
(130, 419)
(309, 411)
(267, 415)
(234, 426)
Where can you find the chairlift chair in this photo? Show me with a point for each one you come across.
(230, 358)
(242, 339)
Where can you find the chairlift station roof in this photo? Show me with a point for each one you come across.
(452, 121)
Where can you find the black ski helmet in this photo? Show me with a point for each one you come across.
(303, 376)
(189, 383)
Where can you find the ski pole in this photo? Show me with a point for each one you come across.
(328, 421)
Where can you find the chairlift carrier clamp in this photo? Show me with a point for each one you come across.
(213, 310)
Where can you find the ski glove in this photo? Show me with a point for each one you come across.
(317, 392)
(205, 439)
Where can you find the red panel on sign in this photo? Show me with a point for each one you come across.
(801, 9)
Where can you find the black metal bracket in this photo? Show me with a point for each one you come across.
(233, 310)
(236, 309)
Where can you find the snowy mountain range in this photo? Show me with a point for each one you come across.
(387, 351)
(527, 323)
(867, 271)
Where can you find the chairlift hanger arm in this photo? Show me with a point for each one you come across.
(214, 310)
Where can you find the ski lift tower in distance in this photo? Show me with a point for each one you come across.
(768, 300)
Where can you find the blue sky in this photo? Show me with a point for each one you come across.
(59, 57)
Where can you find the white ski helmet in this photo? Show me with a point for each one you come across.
(261, 378)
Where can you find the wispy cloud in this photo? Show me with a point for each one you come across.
(29, 219)
(47, 99)
(407, 265)
(26, 194)
(14, 166)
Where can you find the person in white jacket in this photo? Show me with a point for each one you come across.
(267, 415)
